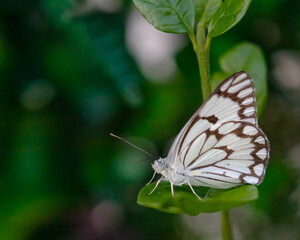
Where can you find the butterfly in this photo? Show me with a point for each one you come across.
(221, 146)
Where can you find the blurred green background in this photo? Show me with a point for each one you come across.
(73, 71)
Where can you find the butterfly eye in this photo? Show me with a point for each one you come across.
(159, 165)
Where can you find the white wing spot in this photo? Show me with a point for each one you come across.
(211, 169)
(200, 126)
(249, 130)
(242, 163)
(222, 108)
(216, 170)
(233, 166)
(250, 120)
(239, 78)
(194, 149)
(245, 92)
(227, 140)
(251, 179)
(239, 143)
(258, 169)
(242, 154)
(260, 140)
(226, 85)
(232, 174)
(210, 142)
(248, 101)
(239, 86)
(210, 157)
(262, 153)
(228, 127)
(248, 111)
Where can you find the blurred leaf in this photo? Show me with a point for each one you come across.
(184, 201)
(105, 33)
(58, 11)
(22, 215)
(173, 16)
(205, 9)
(228, 15)
(217, 78)
(159, 104)
(35, 184)
(247, 57)
(274, 191)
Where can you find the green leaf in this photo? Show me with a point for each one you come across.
(228, 15)
(248, 57)
(173, 16)
(205, 9)
(184, 201)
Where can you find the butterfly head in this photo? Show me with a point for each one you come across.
(159, 165)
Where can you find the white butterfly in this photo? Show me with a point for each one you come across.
(221, 146)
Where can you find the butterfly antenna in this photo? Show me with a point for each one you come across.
(113, 135)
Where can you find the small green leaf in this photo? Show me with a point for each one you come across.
(248, 57)
(173, 16)
(205, 9)
(184, 201)
(228, 15)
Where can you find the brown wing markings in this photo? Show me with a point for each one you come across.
(256, 148)
(207, 133)
(212, 119)
(191, 143)
(232, 96)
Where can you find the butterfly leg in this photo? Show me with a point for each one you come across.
(155, 186)
(172, 189)
(151, 178)
(194, 191)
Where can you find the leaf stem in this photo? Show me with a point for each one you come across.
(226, 229)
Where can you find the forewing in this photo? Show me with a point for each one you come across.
(232, 154)
(233, 100)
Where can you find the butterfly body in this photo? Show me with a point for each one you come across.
(176, 176)
(221, 146)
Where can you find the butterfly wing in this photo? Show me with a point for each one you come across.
(203, 138)
(232, 154)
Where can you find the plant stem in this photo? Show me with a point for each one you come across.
(226, 229)
(201, 45)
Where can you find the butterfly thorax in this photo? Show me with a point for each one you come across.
(163, 167)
